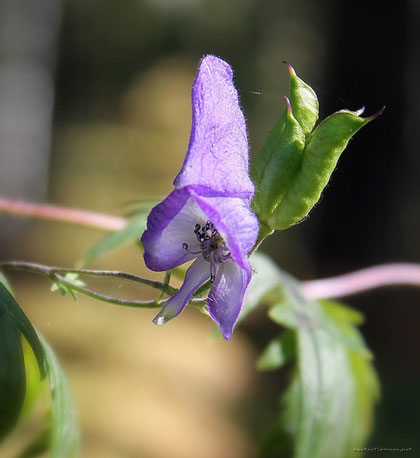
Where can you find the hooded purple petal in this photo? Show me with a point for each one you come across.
(217, 157)
(227, 294)
(196, 275)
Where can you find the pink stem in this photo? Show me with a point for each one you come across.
(363, 280)
(63, 214)
(342, 285)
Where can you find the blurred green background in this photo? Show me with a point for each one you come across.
(95, 112)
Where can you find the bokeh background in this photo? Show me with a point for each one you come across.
(95, 112)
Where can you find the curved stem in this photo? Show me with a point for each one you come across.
(62, 214)
(363, 280)
(49, 271)
(56, 274)
(109, 299)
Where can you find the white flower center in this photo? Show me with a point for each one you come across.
(212, 246)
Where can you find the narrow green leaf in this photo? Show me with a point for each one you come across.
(131, 232)
(10, 306)
(284, 313)
(278, 352)
(34, 382)
(12, 371)
(320, 157)
(71, 277)
(65, 436)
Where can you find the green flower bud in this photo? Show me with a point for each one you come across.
(296, 163)
(278, 164)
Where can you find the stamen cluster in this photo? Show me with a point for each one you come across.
(212, 246)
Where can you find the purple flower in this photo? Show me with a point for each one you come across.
(208, 217)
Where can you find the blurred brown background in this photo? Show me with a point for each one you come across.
(95, 112)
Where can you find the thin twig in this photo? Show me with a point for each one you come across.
(51, 270)
(55, 274)
(62, 214)
(363, 280)
(109, 299)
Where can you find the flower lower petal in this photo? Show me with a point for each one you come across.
(196, 275)
(227, 295)
(169, 225)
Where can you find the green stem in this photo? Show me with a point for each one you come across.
(105, 298)
(55, 274)
(49, 271)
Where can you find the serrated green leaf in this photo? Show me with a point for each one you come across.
(320, 157)
(342, 313)
(65, 436)
(131, 232)
(367, 393)
(341, 324)
(329, 409)
(329, 401)
(278, 352)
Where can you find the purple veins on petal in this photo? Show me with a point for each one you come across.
(227, 295)
(217, 156)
